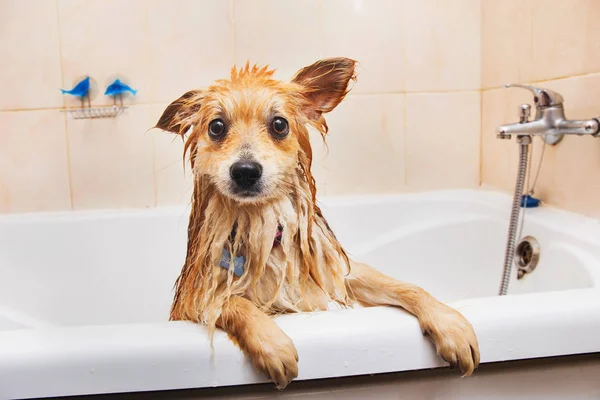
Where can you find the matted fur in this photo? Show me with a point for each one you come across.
(304, 273)
(309, 268)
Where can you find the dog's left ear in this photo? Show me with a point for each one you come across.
(177, 117)
(325, 84)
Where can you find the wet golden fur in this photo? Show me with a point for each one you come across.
(309, 269)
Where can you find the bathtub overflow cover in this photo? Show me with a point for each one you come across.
(527, 255)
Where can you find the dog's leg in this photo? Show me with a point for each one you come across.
(452, 334)
(270, 349)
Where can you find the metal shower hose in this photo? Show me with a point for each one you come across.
(514, 216)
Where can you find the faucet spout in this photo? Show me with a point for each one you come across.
(536, 127)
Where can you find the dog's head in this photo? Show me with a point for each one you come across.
(248, 135)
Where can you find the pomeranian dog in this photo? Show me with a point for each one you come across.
(258, 244)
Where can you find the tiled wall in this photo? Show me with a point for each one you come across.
(411, 123)
(554, 44)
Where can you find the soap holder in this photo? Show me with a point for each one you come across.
(96, 112)
(81, 90)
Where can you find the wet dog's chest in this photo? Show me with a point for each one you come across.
(282, 287)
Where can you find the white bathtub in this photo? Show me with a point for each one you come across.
(84, 296)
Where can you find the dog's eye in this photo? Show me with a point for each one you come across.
(279, 127)
(217, 129)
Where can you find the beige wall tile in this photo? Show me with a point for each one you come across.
(191, 45)
(592, 38)
(499, 158)
(31, 74)
(103, 39)
(565, 38)
(112, 162)
(443, 45)
(366, 146)
(174, 179)
(34, 171)
(282, 34)
(506, 42)
(371, 33)
(442, 140)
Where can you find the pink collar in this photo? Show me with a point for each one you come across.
(278, 235)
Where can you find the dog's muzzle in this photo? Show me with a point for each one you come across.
(246, 175)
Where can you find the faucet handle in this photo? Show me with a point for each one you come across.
(542, 97)
(524, 113)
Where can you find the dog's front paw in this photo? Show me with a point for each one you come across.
(274, 353)
(453, 336)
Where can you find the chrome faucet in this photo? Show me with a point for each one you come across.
(549, 121)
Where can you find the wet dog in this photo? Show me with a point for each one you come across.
(258, 243)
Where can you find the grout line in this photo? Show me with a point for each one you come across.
(69, 172)
(530, 16)
(32, 109)
(405, 97)
(481, 77)
(403, 51)
(146, 103)
(475, 89)
(403, 92)
(154, 170)
(480, 177)
(560, 78)
(321, 28)
(156, 102)
(233, 29)
(66, 125)
(405, 134)
(154, 182)
(60, 58)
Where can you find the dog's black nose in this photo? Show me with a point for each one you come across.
(245, 173)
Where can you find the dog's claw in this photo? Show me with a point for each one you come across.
(277, 356)
(454, 338)
(475, 354)
(451, 363)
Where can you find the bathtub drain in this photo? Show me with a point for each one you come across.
(527, 255)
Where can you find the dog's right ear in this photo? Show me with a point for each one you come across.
(179, 115)
(325, 84)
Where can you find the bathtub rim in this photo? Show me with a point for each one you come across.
(76, 357)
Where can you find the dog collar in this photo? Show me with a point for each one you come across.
(278, 236)
(239, 261)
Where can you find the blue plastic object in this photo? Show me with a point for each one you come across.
(238, 262)
(117, 88)
(529, 202)
(81, 89)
